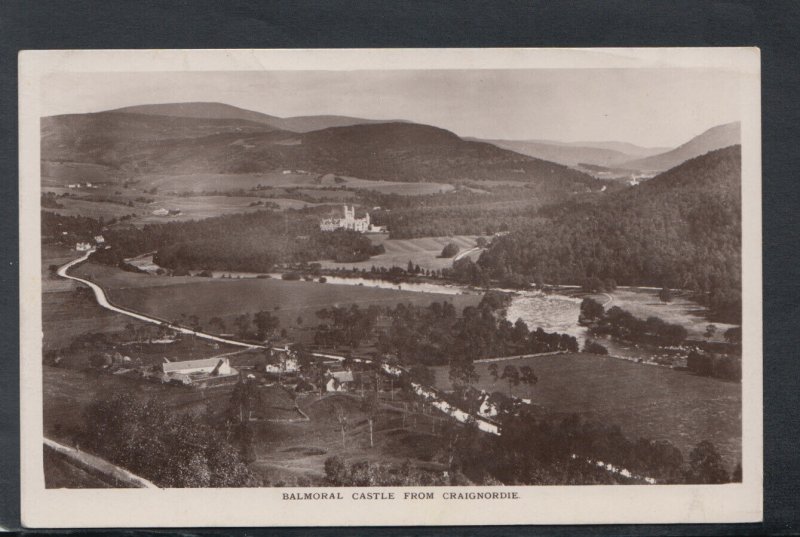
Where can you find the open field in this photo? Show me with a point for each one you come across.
(66, 312)
(63, 173)
(645, 401)
(209, 182)
(191, 207)
(169, 297)
(423, 252)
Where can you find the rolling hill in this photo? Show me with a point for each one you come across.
(712, 139)
(210, 110)
(207, 139)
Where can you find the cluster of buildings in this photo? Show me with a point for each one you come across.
(350, 222)
(99, 242)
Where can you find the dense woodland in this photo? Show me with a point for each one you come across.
(681, 229)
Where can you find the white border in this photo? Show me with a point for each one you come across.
(256, 507)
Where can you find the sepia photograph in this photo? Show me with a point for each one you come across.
(394, 277)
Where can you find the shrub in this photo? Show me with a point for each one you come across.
(451, 250)
(594, 347)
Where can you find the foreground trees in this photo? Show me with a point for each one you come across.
(167, 447)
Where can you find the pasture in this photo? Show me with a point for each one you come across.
(203, 182)
(644, 400)
(67, 313)
(423, 252)
(169, 297)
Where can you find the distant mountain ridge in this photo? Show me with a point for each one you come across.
(606, 154)
(219, 139)
(714, 138)
(213, 110)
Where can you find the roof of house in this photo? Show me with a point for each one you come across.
(191, 364)
(343, 376)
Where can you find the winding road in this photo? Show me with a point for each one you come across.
(104, 302)
(465, 253)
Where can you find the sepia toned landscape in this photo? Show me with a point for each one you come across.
(239, 297)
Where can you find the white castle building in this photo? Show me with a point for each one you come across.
(362, 225)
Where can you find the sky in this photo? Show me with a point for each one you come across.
(649, 107)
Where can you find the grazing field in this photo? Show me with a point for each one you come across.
(211, 182)
(169, 297)
(645, 401)
(68, 312)
(190, 207)
(423, 252)
(63, 173)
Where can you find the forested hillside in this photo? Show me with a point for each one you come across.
(681, 229)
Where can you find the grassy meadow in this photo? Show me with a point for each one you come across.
(423, 252)
(644, 400)
(169, 297)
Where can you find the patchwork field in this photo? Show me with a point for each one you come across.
(645, 401)
(278, 179)
(423, 252)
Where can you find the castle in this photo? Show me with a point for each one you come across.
(361, 225)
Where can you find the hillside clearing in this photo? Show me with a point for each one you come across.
(424, 252)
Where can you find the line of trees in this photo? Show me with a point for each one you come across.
(722, 366)
(622, 325)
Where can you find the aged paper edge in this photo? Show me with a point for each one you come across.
(265, 507)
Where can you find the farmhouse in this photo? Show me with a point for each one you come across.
(284, 362)
(362, 225)
(199, 372)
(339, 381)
(83, 246)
